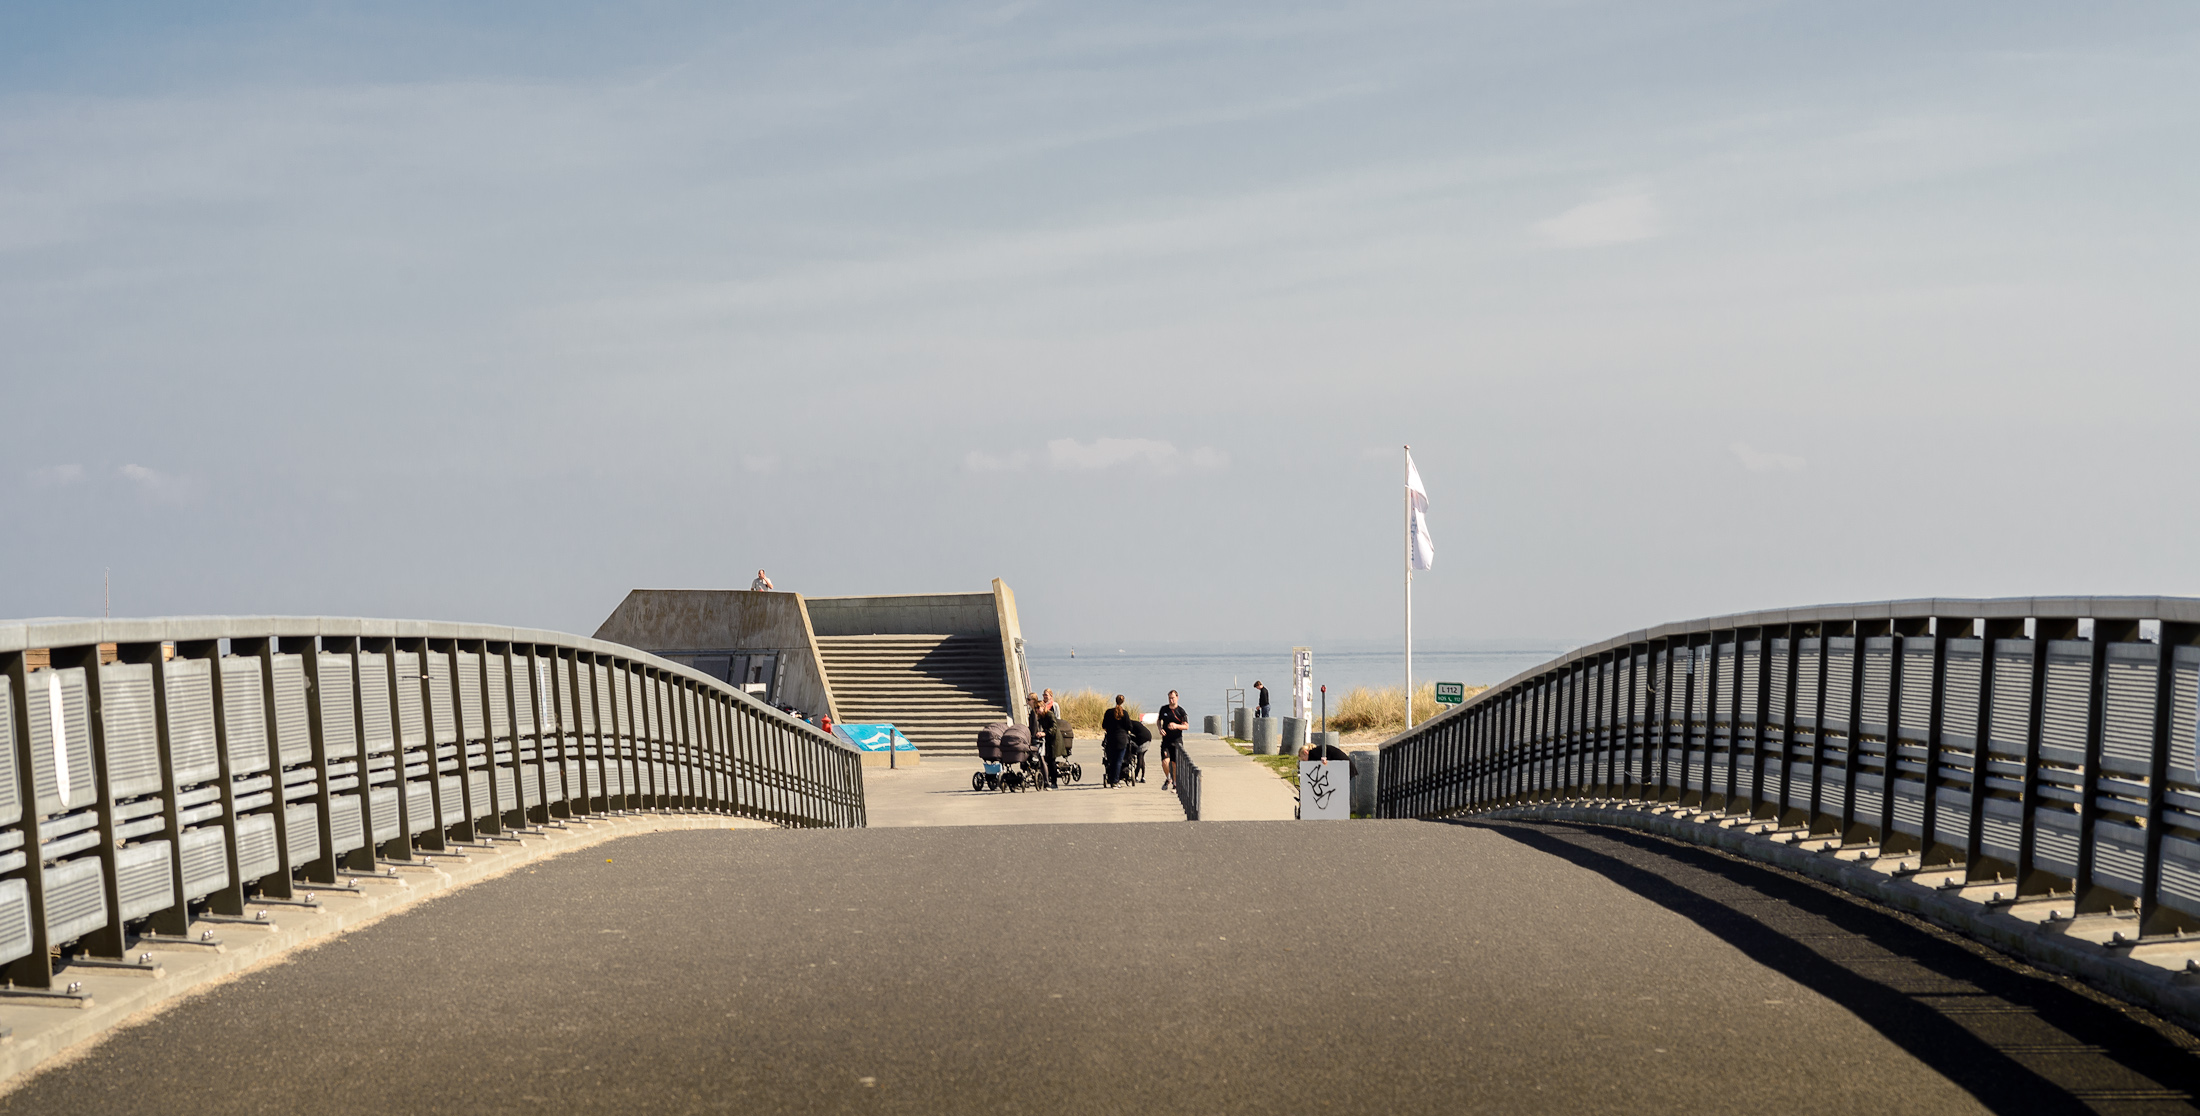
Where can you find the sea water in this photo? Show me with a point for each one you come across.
(1204, 674)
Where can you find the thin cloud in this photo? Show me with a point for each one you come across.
(1109, 453)
(54, 476)
(165, 488)
(1763, 461)
(979, 461)
(1613, 220)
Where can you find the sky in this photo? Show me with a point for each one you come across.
(1686, 308)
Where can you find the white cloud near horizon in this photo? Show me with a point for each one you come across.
(1619, 219)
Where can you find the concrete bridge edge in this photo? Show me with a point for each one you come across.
(2172, 994)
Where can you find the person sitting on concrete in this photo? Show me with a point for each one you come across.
(1174, 720)
(761, 584)
(1115, 738)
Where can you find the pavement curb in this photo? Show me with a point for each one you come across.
(2171, 992)
(47, 1036)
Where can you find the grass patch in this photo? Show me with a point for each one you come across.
(1384, 710)
(1285, 767)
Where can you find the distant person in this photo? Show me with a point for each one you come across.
(1048, 721)
(1115, 738)
(1173, 723)
(1263, 710)
(761, 584)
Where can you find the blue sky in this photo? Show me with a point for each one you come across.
(1686, 308)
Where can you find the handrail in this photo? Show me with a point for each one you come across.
(1187, 783)
(150, 768)
(1997, 735)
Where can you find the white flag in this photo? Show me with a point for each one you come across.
(1422, 549)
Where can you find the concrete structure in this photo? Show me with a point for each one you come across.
(736, 636)
(1267, 734)
(936, 665)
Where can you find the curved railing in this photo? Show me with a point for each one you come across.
(150, 768)
(2048, 739)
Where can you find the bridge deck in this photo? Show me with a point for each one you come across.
(1393, 967)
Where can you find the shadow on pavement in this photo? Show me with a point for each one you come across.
(2018, 1040)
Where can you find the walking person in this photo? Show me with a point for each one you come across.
(1115, 738)
(1174, 720)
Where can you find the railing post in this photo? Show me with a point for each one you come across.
(2030, 880)
(34, 969)
(2091, 897)
(1976, 863)
(2154, 918)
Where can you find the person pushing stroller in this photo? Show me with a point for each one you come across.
(1116, 727)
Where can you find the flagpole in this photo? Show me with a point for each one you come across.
(1408, 496)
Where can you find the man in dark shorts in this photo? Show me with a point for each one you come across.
(1173, 723)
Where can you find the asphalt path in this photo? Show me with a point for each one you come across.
(1378, 967)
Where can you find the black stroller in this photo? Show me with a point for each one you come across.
(1134, 755)
(1009, 762)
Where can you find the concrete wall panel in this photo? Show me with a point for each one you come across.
(685, 620)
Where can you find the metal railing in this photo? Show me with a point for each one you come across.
(1187, 783)
(151, 769)
(2049, 740)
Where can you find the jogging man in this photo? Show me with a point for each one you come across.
(1173, 723)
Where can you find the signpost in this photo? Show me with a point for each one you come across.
(1302, 683)
(1450, 693)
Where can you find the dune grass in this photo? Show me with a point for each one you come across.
(1362, 710)
(1082, 710)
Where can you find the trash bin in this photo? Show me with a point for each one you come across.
(1364, 763)
(1267, 732)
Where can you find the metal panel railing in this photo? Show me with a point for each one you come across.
(156, 771)
(2049, 741)
(1187, 784)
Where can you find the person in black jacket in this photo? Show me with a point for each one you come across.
(1174, 720)
(1115, 738)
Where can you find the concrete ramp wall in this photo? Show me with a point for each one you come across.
(948, 614)
(680, 623)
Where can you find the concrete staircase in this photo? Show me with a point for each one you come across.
(938, 690)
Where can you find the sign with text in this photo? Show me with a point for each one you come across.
(1325, 790)
(1302, 683)
(1450, 693)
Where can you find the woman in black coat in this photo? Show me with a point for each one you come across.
(1115, 738)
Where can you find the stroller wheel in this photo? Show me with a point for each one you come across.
(977, 780)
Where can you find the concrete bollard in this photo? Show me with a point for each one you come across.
(1265, 734)
(1364, 762)
(1241, 723)
(1294, 736)
(1327, 739)
(1214, 725)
